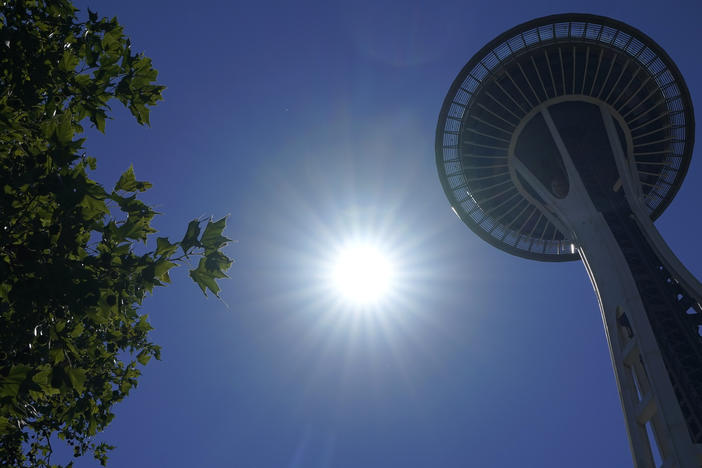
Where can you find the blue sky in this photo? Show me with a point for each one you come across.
(313, 123)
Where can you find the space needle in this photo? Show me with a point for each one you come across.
(564, 138)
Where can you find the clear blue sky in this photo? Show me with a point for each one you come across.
(312, 122)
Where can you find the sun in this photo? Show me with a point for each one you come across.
(363, 274)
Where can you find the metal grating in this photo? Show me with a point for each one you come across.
(561, 55)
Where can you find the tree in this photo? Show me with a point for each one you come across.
(72, 275)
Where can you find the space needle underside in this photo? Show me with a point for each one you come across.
(563, 139)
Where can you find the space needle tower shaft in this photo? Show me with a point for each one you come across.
(563, 139)
(643, 292)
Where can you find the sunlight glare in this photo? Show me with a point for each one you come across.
(362, 274)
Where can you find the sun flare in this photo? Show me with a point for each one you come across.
(362, 274)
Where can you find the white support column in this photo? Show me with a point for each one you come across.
(645, 390)
(637, 360)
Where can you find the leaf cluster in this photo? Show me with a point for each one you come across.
(71, 281)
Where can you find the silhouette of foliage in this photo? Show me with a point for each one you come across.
(71, 281)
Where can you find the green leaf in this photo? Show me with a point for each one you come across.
(5, 290)
(141, 112)
(93, 208)
(56, 355)
(77, 331)
(107, 306)
(68, 62)
(143, 357)
(123, 249)
(136, 227)
(82, 80)
(98, 118)
(217, 262)
(5, 425)
(161, 268)
(191, 235)
(205, 278)
(43, 377)
(212, 238)
(128, 182)
(164, 247)
(111, 38)
(143, 324)
(64, 129)
(76, 378)
(10, 385)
